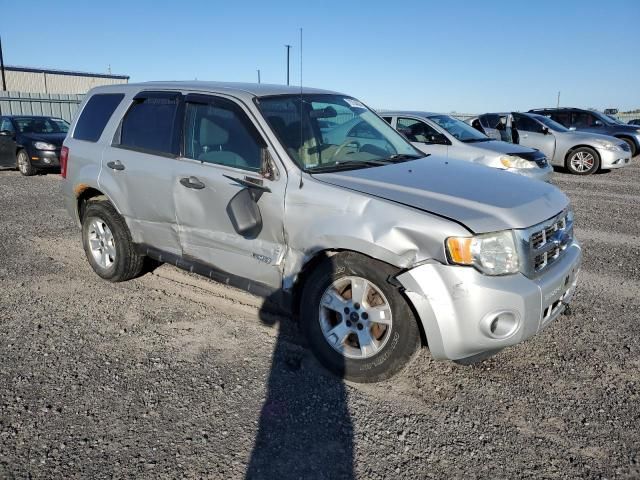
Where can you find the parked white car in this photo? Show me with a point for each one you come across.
(443, 135)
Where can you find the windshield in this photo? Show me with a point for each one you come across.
(41, 125)
(460, 130)
(333, 130)
(552, 124)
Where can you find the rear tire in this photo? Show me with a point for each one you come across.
(107, 243)
(358, 325)
(583, 161)
(24, 165)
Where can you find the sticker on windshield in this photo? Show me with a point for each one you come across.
(354, 103)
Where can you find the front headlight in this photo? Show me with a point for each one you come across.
(511, 161)
(490, 253)
(44, 146)
(607, 145)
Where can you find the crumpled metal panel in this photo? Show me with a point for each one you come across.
(319, 216)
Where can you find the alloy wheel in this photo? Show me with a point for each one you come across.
(355, 317)
(101, 243)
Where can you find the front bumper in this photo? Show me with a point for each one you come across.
(610, 159)
(465, 313)
(539, 173)
(44, 158)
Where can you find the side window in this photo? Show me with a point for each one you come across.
(582, 120)
(526, 124)
(416, 131)
(95, 116)
(388, 119)
(220, 132)
(5, 124)
(151, 123)
(563, 118)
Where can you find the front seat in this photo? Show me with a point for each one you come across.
(213, 142)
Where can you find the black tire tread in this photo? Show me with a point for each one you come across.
(129, 262)
(408, 345)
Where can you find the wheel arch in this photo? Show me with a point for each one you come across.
(576, 147)
(320, 256)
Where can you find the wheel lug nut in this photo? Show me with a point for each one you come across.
(360, 327)
(356, 306)
(348, 323)
(365, 315)
(346, 309)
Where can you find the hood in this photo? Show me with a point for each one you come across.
(588, 136)
(481, 198)
(502, 147)
(497, 146)
(53, 138)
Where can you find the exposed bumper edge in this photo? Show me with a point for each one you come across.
(70, 204)
(456, 304)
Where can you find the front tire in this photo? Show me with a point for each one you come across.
(24, 164)
(358, 325)
(631, 144)
(107, 243)
(583, 161)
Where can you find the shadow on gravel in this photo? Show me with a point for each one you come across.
(305, 428)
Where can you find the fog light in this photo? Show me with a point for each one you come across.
(500, 325)
(47, 160)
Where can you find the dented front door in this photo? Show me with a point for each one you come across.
(221, 146)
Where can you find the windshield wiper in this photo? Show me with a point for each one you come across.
(348, 165)
(476, 140)
(399, 157)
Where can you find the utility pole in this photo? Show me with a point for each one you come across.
(288, 47)
(4, 82)
(558, 106)
(258, 75)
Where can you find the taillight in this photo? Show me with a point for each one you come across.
(64, 156)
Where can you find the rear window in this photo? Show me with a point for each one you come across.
(96, 115)
(149, 124)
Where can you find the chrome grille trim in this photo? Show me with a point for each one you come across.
(543, 244)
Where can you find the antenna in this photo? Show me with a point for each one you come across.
(258, 75)
(288, 47)
(301, 109)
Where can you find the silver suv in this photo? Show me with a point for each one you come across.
(310, 199)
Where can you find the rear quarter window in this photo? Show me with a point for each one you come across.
(95, 116)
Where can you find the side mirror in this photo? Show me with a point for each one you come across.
(439, 139)
(545, 130)
(597, 123)
(244, 214)
(573, 129)
(6, 133)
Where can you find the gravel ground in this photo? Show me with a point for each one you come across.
(171, 375)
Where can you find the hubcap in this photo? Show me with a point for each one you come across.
(101, 243)
(355, 317)
(582, 161)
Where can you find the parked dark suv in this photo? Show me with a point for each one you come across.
(595, 122)
(31, 143)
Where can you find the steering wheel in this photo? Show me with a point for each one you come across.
(344, 145)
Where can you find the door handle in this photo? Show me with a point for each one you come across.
(192, 182)
(117, 165)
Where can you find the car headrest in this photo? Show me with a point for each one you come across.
(211, 133)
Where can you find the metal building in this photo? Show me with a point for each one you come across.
(50, 81)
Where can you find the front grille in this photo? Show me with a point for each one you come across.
(547, 242)
(625, 146)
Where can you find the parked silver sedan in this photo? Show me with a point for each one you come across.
(443, 135)
(580, 152)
